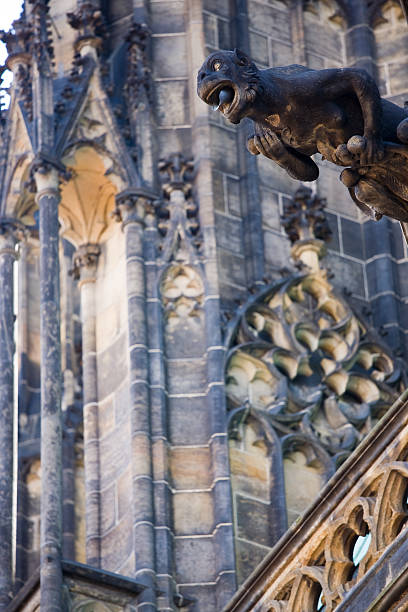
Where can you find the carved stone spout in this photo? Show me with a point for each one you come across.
(298, 112)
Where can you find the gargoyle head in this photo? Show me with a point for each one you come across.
(228, 80)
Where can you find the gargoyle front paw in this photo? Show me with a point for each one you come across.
(268, 143)
(251, 146)
(368, 148)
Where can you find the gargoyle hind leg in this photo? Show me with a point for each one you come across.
(373, 198)
(297, 165)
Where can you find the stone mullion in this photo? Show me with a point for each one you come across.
(51, 429)
(162, 490)
(85, 263)
(131, 209)
(7, 258)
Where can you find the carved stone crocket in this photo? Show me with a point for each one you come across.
(337, 112)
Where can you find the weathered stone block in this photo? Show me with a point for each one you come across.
(188, 415)
(179, 383)
(193, 513)
(352, 238)
(259, 48)
(233, 196)
(266, 19)
(249, 555)
(231, 268)
(117, 545)
(229, 233)
(250, 473)
(347, 273)
(190, 467)
(169, 57)
(270, 209)
(108, 508)
(112, 367)
(253, 520)
(195, 561)
(172, 103)
(167, 17)
(224, 149)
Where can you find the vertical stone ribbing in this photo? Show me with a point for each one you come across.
(360, 38)
(131, 205)
(85, 264)
(224, 548)
(51, 437)
(68, 442)
(252, 214)
(7, 258)
(298, 32)
(164, 545)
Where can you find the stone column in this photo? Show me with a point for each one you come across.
(47, 181)
(131, 208)
(85, 264)
(360, 38)
(8, 238)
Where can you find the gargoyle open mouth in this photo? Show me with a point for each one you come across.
(222, 97)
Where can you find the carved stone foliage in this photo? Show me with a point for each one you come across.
(88, 20)
(182, 293)
(354, 537)
(303, 217)
(177, 212)
(138, 77)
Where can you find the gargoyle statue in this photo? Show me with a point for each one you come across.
(298, 112)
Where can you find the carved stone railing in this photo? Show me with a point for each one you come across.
(315, 566)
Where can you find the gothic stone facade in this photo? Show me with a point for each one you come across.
(185, 382)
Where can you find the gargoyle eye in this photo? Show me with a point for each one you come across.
(217, 65)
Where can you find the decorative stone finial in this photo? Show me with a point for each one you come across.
(176, 174)
(303, 217)
(18, 39)
(89, 22)
(177, 213)
(42, 47)
(306, 226)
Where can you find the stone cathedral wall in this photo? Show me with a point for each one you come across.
(160, 320)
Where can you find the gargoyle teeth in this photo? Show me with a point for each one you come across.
(226, 95)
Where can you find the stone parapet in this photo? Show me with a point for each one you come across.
(316, 562)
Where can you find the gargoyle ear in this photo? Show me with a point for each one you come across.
(242, 58)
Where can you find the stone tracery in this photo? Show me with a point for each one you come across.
(307, 370)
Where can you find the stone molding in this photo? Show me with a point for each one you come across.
(133, 205)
